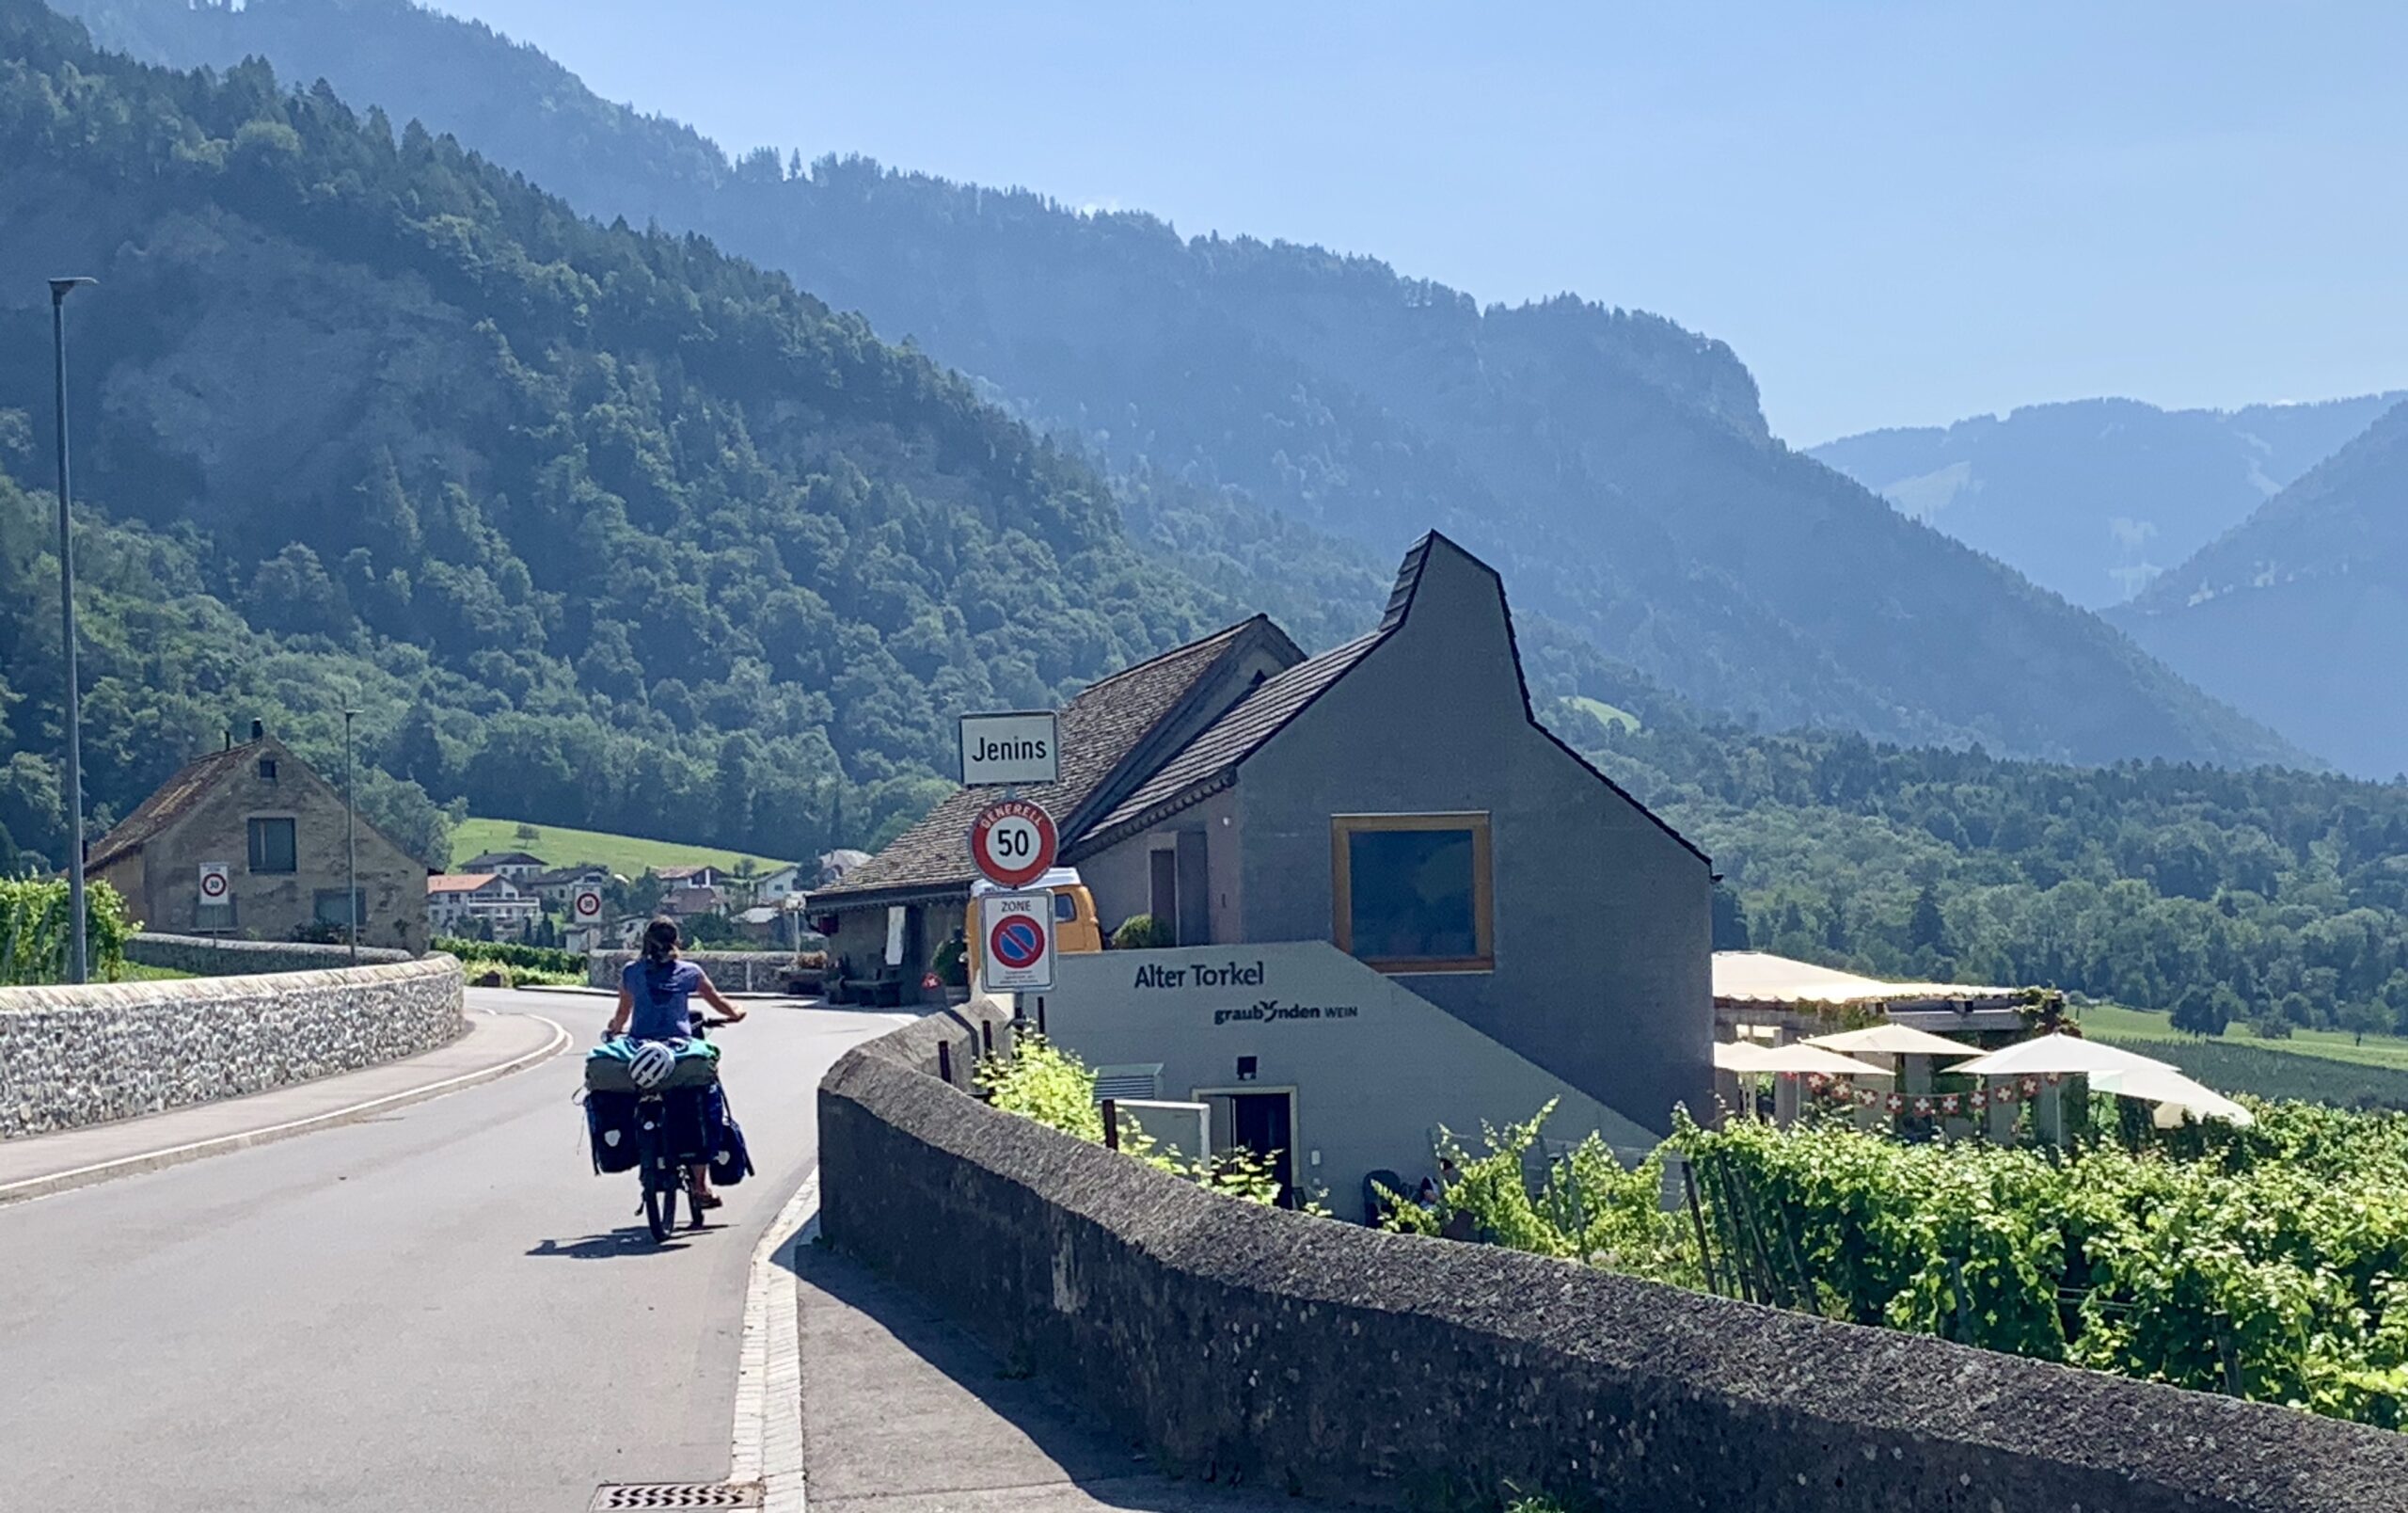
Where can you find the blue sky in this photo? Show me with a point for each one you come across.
(1895, 214)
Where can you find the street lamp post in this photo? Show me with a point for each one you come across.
(77, 966)
(350, 836)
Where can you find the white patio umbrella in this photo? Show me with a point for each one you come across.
(1737, 1056)
(1891, 1039)
(1803, 1059)
(2174, 1094)
(2060, 1054)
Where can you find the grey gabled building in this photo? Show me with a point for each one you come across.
(1395, 796)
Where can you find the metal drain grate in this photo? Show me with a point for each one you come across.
(677, 1494)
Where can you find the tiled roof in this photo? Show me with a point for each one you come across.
(460, 882)
(165, 806)
(1099, 729)
(1237, 735)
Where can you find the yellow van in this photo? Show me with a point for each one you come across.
(1075, 928)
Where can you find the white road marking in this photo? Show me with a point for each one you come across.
(766, 1445)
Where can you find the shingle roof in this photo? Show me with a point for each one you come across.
(1099, 729)
(1239, 733)
(165, 806)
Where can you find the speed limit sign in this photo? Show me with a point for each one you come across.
(586, 907)
(216, 879)
(1012, 842)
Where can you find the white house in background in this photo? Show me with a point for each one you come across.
(775, 887)
(457, 902)
(690, 877)
(517, 865)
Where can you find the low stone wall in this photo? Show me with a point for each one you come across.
(71, 1057)
(730, 971)
(1244, 1343)
(202, 956)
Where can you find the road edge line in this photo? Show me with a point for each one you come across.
(128, 1166)
(766, 1448)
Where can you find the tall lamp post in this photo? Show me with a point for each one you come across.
(77, 968)
(350, 836)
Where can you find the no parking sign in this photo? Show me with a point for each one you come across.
(1018, 930)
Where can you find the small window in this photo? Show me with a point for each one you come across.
(330, 907)
(272, 849)
(1413, 891)
(267, 769)
(1066, 908)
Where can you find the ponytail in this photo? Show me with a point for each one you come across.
(661, 941)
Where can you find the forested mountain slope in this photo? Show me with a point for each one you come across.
(2094, 498)
(635, 534)
(1614, 466)
(2270, 894)
(2299, 614)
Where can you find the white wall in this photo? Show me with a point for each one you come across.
(1376, 1069)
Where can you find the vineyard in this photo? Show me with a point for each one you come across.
(2268, 1263)
(34, 931)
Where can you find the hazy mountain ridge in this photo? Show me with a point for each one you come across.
(1614, 466)
(607, 526)
(2300, 613)
(2094, 498)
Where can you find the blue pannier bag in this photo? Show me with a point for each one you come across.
(731, 1163)
(611, 1125)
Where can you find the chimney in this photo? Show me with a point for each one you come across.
(258, 730)
(229, 733)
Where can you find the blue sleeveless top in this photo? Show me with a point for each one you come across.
(662, 991)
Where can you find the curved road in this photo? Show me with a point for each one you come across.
(442, 1308)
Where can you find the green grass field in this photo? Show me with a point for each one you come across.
(560, 846)
(2111, 1023)
(1605, 714)
(2319, 1065)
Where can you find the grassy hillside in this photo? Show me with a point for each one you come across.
(561, 846)
(2141, 1027)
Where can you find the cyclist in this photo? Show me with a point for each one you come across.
(656, 994)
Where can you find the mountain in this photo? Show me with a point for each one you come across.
(1614, 466)
(2095, 498)
(2299, 614)
(601, 527)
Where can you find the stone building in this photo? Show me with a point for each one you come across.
(277, 829)
(1393, 800)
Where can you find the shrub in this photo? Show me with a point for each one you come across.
(34, 931)
(1142, 932)
(510, 953)
(952, 964)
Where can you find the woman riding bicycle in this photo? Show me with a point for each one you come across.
(656, 994)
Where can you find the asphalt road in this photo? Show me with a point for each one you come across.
(441, 1309)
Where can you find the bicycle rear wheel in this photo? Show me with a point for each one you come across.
(660, 1207)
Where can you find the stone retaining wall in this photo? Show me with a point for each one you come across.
(202, 956)
(71, 1057)
(1244, 1343)
(730, 971)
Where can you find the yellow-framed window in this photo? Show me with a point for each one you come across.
(1414, 892)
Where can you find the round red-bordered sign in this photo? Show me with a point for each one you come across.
(1018, 942)
(212, 885)
(588, 905)
(1012, 843)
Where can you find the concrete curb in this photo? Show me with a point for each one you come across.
(127, 1166)
(766, 1449)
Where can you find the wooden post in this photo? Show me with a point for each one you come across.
(944, 1063)
(1111, 1124)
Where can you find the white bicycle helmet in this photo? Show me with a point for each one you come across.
(652, 1065)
